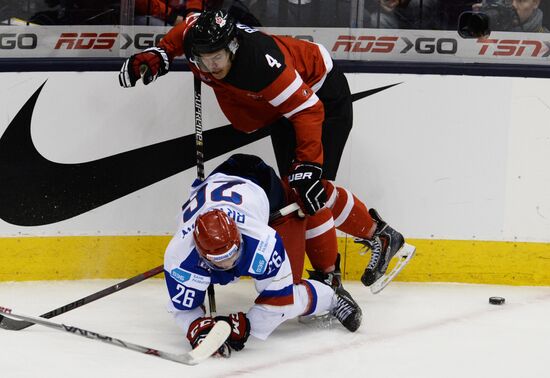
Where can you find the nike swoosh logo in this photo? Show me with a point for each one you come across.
(36, 191)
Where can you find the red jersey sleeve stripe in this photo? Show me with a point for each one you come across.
(311, 101)
(288, 91)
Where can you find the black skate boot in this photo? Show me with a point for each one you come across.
(332, 279)
(347, 311)
(385, 243)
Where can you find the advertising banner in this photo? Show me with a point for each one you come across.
(344, 43)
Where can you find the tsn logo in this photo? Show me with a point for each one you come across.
(514, 47)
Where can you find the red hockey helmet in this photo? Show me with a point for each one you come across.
(218, 239)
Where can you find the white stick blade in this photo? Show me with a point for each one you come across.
(215, 339)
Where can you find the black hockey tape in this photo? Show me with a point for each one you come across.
(496, 300)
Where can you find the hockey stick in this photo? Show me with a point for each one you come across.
(198, 128)
(284, 211)
(199, 146)
(17, 325)
(213, 341)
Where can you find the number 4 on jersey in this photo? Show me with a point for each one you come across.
(272, 61)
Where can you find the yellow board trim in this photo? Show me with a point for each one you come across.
(83, 257)
(79, 257)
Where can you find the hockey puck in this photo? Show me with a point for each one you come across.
(496, 300)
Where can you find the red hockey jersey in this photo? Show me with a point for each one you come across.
(271, 77)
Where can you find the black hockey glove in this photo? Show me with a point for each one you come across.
(148, 65)
(305, 179)
(240, 329)
(199, 329)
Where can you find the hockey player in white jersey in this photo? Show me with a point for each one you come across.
(223, 235)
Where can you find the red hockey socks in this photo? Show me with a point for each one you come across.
(350, 214)
(321, 243)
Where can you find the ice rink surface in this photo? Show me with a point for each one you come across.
(409, 330)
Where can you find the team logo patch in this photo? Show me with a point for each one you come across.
(220, 21)
(189, 279)
(180, 275)
(259, 265)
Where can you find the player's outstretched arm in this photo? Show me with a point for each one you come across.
(155, 61)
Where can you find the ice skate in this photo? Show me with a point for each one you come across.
(347, 311)
(332, 279)
(384, 245)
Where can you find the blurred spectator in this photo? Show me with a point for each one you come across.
(304, 13)
(236, 8)
(451, 10)
(159, 12)
(405, 14)
(544, 6)
(107, 12)
(76, 12)
(523, 15)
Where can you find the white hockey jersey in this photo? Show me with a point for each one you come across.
(263, 256)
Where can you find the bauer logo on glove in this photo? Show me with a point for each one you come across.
(305, 180)
(300, 176)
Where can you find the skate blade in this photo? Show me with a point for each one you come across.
(405, 254)
(319, 321)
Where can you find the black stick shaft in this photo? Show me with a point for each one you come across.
(216, 337)
(198, 129)
(199, 145)
(16, 325)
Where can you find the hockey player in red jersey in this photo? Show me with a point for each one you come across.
(293, 87)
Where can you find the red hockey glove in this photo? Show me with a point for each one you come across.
(148, 65)
(305, 180)
(240, 329)
(199, 329)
